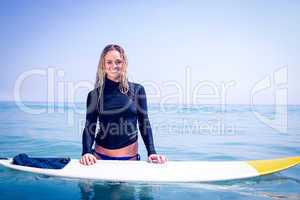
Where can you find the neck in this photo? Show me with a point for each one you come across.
(117, 80)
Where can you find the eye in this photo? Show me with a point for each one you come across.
(118, 62)
(109, 62)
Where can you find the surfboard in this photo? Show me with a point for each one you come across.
(171, 171)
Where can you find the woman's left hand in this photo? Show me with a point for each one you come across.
(155, 158)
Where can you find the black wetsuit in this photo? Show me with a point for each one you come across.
(118, 115)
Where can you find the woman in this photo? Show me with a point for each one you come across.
(118, 105)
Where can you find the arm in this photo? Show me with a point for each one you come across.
(143, 120)
(88, 135)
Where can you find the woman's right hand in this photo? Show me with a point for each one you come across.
(88, 159)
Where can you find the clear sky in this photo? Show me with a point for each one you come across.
(182, 43)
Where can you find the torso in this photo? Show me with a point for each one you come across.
(129, 150)
(117, 135)
(118, 114)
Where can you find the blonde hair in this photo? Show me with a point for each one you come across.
(100, 76)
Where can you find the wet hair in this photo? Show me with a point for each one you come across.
(100, 75)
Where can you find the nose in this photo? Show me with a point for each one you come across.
(115, 67)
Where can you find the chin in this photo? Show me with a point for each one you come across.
(115, 76)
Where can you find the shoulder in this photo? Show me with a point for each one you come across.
(136, 87)
(94, 91)
(93, 94)
(134, 84)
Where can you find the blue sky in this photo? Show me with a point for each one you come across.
(219, 41)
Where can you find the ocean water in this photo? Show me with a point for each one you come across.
(202, 132)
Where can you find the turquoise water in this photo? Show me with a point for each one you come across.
(204, 132)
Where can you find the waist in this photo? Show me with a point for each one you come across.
(130, 150)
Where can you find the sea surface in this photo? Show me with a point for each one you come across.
(200, 132)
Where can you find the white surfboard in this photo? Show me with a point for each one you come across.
(172, 171)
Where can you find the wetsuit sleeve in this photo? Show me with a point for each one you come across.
(88, 135)
(143, 120)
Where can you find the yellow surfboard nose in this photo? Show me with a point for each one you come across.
(270, 166)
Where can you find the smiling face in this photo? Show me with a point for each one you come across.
(113, 65)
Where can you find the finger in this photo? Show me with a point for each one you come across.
(154, 159)
(87, 162)
(160, 159)
(89, 159)
(83, 160)
(165, 159)
(151, 159)
(92, 160)
(152, 155)
(95, 159)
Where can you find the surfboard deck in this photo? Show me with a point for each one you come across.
(171, 171)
